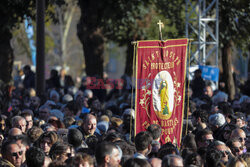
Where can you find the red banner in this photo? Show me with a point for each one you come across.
(160, 86)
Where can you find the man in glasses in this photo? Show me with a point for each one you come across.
(241, 135)
(11, 154)
(203, 138)
(236, 147)
(222, 148)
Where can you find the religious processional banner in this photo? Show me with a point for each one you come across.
(160, 86)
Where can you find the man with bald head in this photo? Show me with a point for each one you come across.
(14, 132)
(155, 162)
(88, 126)
(241, 135)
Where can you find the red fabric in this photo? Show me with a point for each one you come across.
(160, 86)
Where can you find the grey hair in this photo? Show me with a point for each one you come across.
(16, 119)
(166, 162)
(218, 143)
(88, 93)
(54, 92)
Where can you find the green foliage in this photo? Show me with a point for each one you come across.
(125, 21)
(235, 22)
(174, 14)
(12, 12)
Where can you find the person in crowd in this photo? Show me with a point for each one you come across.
(61, 151)
(88, 126)
(14, 132)
(15, 106)
(34, 133)
(189, 142)
(35, 103)
(27, 114)
(224, 150)
(214, 158)
(237, 162)
(81, 160)
(226, 132)
(53, 81)
(194, 159)
(143, 141)
(155, 162)
(44, 113)
(24, 143)
(172, 160)
(240, 120)
(137, 162)
(107, 155)
(227, 111)
(11, 154)
(197, 84)
(166, 149)
(209, 91)
(19, 122)
(155, 131)
(66, 81)
(29, 79)
(236, 146)
(35, 157)
(203, 138)
(241, 135)
(216, 123)
(220, 95)
(199, 120)
(46, 140)
(75, 139)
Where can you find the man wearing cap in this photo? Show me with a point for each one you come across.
(240, 120)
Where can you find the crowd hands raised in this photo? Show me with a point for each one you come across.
(78, 127)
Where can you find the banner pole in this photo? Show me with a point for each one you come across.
(132, 95)
(189, 45)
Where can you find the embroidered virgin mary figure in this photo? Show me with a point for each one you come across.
(163, 92)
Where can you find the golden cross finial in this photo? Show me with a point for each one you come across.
(161, 25)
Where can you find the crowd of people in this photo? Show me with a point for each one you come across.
(80, 127)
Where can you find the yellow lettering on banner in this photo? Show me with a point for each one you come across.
(146, 124)
(165, 54)
(168, 131)
(171, 54)
(152, 56)
(176, 121)
(178, 62)
(162, 66)
(170, 123)
(155, 122)
(152, 65)
(144, 66)
(167, 139)
(157, 53)
(167, 123)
